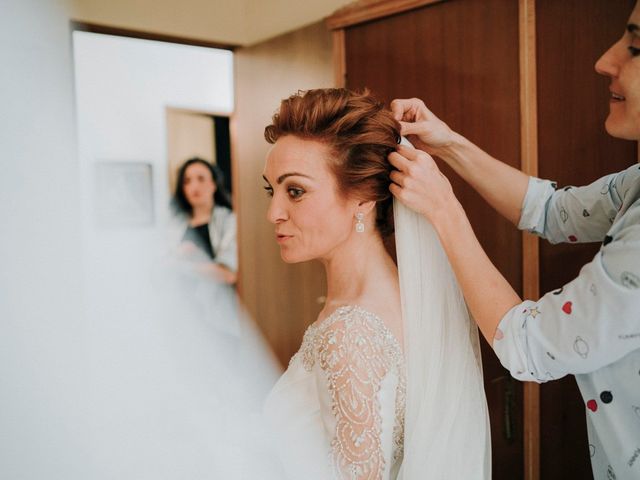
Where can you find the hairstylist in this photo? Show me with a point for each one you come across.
(591, 326)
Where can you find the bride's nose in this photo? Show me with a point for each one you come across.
(277, 212)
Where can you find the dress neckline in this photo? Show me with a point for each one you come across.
(345, 309)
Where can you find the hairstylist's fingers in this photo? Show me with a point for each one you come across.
(405, 197)
(412, 128)
(396, 191)
(399, 162)
(408, 109)
(399, 106)
(397, 178)
(415, 155)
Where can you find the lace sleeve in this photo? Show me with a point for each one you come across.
(352, 354)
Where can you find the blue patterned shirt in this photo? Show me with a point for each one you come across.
(591, 326)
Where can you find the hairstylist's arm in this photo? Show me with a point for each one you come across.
(501, 185)
(422, 187)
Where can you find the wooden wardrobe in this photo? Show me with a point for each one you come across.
(517, 78)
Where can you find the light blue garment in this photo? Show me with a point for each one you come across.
(591, 326)
(222, 232)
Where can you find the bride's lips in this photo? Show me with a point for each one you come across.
(281, 238)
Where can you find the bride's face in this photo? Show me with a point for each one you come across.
(311, 217)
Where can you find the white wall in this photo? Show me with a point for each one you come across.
(41, 332)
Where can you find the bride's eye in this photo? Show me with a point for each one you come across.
(269, 191)
(295, 192)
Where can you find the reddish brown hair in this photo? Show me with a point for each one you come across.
(361, 134)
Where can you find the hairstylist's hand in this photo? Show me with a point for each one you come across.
(419, 184)
(426, 131)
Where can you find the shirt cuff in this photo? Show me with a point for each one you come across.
(511, 344)
(534, 206)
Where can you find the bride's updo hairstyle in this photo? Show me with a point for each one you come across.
(361, 133)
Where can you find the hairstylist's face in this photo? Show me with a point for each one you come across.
(198, 185)
(622, 64)
(311, 217)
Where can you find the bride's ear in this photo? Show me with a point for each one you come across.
(366, 207)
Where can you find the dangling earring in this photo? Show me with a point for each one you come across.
(359, 224)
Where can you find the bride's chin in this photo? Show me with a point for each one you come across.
(291, 257)
(288, 258)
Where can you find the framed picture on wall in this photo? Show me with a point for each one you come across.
(123, 193)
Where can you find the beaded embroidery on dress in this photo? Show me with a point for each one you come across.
(359, 368)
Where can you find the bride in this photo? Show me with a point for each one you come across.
(387, 383)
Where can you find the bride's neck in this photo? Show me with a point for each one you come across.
(356, 267)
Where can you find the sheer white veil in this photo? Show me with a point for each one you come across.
(447, 433)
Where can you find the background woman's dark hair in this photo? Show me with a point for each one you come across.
(221, 196)
(361, 133)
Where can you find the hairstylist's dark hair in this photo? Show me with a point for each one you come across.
(221, 197)
(361, 133)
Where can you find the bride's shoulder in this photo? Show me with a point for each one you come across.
(349, 328)
(347, 318)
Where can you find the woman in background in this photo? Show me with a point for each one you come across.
(210, 233)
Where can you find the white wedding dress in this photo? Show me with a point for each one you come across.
(339, 408)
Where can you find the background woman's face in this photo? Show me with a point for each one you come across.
(311, 217)
(198, 185)
(622, 64)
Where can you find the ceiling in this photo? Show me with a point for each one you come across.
(235, 22)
